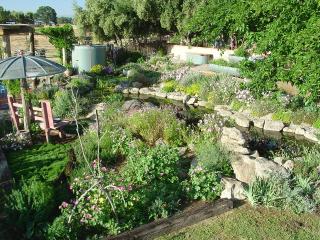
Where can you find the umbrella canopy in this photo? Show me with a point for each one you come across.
(28, 67)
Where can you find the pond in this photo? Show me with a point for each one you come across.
(268, 144)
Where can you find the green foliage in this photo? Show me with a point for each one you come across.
(158, 124)
(237, 105)
(169, 86)
(224, 63)
(307, 165)
(241, 52)
(212, 157)
(284, 116)
(13, 86)
(46, 14)
(60, 37)
(282, 192)
(45, 162)
(64, 104)
(97, 69)
(203, 184)
(28, 209)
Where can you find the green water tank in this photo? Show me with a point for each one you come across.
(86, 56)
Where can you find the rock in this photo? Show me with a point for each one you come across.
(311, 135)
(97, 107)
(133, 104)
(237, 149)
(223, 111)
(134, 90)
(279, 160)
(291, 129)
(300, 131)
(233, 134)
(247, 168)
(146, 91)
(202, 103)
(258, 123)
(255, 154)
(232, 189)
(186, 98)
(137, 85)
(125, 91)
(119, 88)
(176, 96)
(161, 94)
(192, 101)
(267, 117)
(289, 165)
(274, 126)
(183, 151)
(160, 141)
(241, 120)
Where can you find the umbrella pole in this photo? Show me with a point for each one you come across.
(25, 105)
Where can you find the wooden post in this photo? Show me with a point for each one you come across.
(13, 114)
(31, 42)
(45, 120)
(6, 45)
(64, 56)
(25, 105)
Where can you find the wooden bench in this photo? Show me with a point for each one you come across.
(42, 114)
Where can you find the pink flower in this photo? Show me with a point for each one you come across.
(121, 188)
(88, 216)
(103, 169)
(129, 188)
(63, 205)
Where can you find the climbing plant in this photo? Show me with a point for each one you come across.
(60, 37)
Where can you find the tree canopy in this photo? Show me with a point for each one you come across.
(46, 14)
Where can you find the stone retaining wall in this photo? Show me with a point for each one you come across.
(242, 119)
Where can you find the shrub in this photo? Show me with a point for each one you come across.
(237, 105)
(222, 62)
(263, 107)
(169, 86)
(284, 116)
(203, 184)
(64, 104)
(241, 52)
(307, 165)
(29, 208)
(282, 192)
(155, 124)
(212, 157)
(97, 69)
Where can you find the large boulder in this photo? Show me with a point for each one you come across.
(241, 120)
(247, 168)
(131, 105)
(233, 189)
(274, 126)
(136, 76)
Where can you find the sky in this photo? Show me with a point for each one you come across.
(62, 7)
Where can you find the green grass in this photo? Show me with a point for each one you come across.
(252, 223)
(43, 161)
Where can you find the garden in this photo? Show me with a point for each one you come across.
(149, 136)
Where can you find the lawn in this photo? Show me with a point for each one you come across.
(44, 161)
(246, 222)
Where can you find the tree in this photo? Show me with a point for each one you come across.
(46, 14)
(64, 20)
(4, 15)
(60, 37)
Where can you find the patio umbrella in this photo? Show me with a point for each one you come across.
(24, 66)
